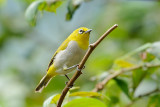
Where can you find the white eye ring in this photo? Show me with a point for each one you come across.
(81, 31)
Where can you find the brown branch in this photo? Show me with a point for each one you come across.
(78, 72)
(102, 84)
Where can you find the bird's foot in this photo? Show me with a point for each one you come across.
(70, 85)
(80, 69)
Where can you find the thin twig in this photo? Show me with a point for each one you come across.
(102, 84)
(147, 94)
(78, 72)
(141, 96)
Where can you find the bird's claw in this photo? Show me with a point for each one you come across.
(70, 85)
(80, 69)
(66, 82)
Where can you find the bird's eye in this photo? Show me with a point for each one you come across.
(81, 31)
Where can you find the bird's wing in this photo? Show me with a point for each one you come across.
(62, 47)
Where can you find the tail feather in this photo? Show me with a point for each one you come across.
(43, 83)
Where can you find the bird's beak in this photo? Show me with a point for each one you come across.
(88, 31)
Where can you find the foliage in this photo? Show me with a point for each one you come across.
(72, 7)
(51, 100)
(82, 102)
(154, 101)
(50, 6)
(54, 99)
(47, 5)
(128, 83)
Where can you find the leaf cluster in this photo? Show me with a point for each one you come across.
(50, 6)
(127, 88)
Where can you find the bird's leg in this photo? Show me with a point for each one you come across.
(65, 68)
(67, 77)
(74, 66)
(67, 81)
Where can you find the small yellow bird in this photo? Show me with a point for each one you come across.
(67, 56)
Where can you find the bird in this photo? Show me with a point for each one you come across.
(67, 56)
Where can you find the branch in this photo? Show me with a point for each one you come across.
(147, 94)
(78, 72)
(141, 96)
(102, 84)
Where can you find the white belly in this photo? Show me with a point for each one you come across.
(72, 55)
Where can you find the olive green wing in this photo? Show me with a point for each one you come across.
(62, 47)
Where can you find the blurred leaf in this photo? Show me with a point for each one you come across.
(72, 7)
(145, 87)
(114, 99)
(113, 93)
(130, 59)
(50, 5)
(137, 77)
(155, 49)
(55, 99)
(85, 102)
(138, 50)
(74, 88)
(51, 100)
(31, 12)
(123, 85)
(47, 5)
(85, 94)
(154, 101)
(147, 57)
(151, 71)
(123, 64)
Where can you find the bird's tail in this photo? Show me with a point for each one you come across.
(43, 83)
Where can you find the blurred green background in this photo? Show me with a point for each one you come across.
(25, 51)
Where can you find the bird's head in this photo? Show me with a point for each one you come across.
(81, 34)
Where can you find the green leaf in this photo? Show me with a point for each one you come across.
(72, 7)
(51, 100)
(121, 63)
(137, 51)
(41, 5)
(123, 85)
(74, 88)
(55, 99)
(31, 12)
(154, 101)
(155, 49)
(85, 94)
(137, 77)
(148, 85)
(114, 99)
(50, 5)
(147, 57)
(85, 102)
